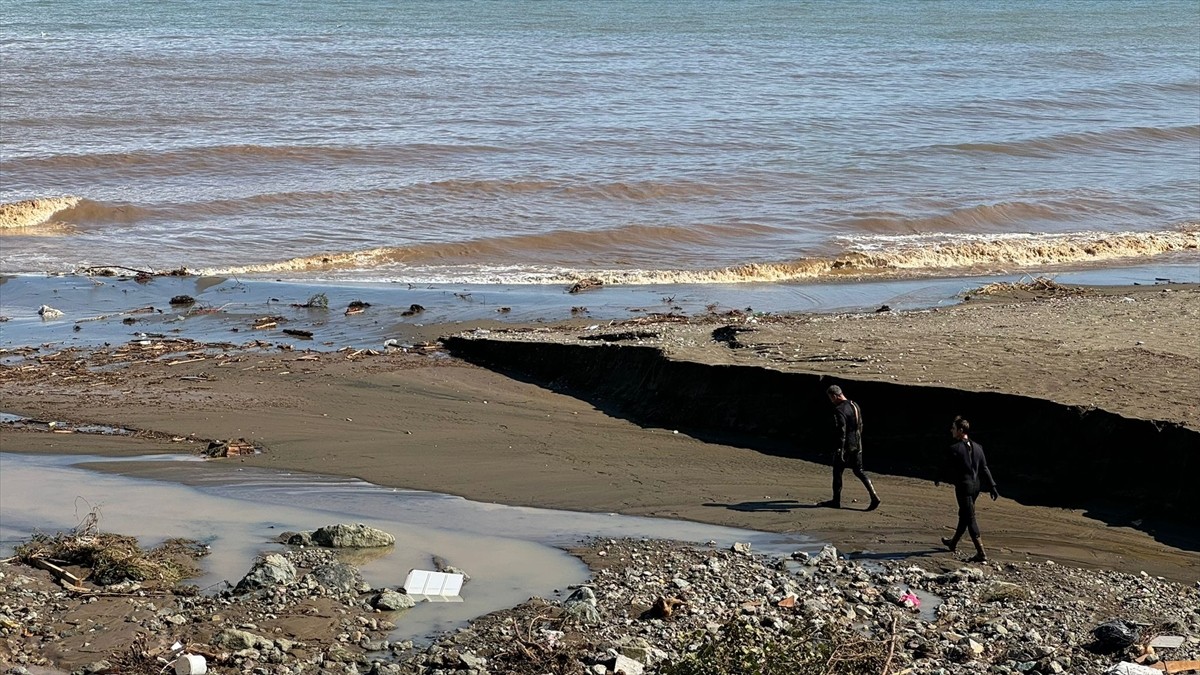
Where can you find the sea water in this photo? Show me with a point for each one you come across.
(644, 143)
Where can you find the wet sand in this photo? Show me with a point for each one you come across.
(429, 421)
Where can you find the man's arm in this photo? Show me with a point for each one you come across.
(989, 483)
(839, 436)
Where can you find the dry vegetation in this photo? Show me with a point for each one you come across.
(108, 559)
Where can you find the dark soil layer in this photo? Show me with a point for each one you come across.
(1045, 453)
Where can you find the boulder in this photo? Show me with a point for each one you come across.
(271, 570)
(352, 536)
(392, 601)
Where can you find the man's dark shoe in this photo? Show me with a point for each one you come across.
(950, 544)
(875, 502)
(978, 557)
(830, 504)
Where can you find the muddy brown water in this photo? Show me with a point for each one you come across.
(511, 553)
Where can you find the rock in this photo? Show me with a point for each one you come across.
(623, 664)
(829, 553)
(472, 661)
(297, 538)
(740, 547)
(391, 601)
(271, 570)
(352, 536)
(997, 591)
(100, 666)
(48, 312)
(581, 607)
(340, 654)
(232, 638)
(337, 577)
(637, 649)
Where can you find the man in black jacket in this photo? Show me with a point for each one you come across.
(847, 422)
(967, 469)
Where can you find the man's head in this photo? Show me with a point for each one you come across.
(835, 394)
(960, 427)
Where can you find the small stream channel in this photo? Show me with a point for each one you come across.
(511, 553)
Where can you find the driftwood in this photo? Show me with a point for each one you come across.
(356, 307)
(101, 269)
(587, 284)
(1177, 666)
(58, 572)
(304, 334)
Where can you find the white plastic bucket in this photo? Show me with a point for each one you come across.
(190, 664)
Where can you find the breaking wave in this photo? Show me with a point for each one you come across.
(60, 214)
(492, 260)
(1001, 216)
(502, 250)
(32, 213)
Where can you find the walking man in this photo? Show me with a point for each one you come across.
(967, 469)
(847, 420)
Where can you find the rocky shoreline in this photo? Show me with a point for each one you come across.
(650, 607)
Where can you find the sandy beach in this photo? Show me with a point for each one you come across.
(400, 417)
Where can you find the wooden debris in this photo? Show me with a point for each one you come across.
(304, 334)
(356, 307)
(232, 448)
(1037, 286)
(179, 363)
(587, 284)
(1177, 666)
(58, 572)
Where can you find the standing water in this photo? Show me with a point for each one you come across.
(510, 553)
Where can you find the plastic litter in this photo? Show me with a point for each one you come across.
(190, 664)
(433, 586)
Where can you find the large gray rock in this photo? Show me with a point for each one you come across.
(271, 570)
(232, 638)
(391, 601)
(337, 577)
(582, 608)
(352, 536)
